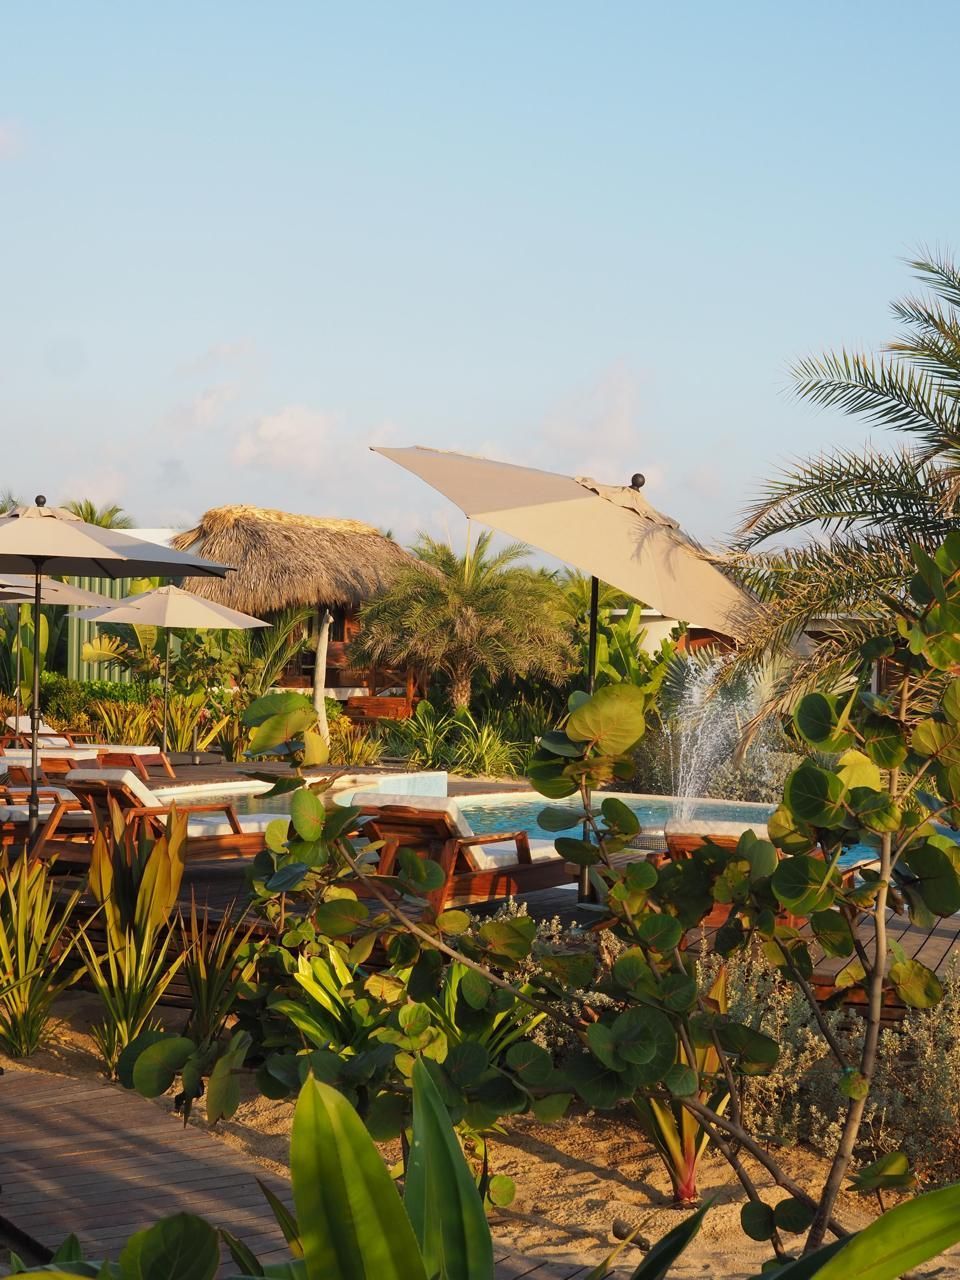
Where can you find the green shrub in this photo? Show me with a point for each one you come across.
(67, 699)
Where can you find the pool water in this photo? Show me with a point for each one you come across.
(520, 813)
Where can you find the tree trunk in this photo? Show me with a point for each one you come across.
(460, 689)
(320, 675)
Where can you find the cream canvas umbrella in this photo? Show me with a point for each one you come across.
(610, 532)
(18, 589)
(173, 609)
(42, 540)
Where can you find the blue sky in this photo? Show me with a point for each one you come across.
(241, 242)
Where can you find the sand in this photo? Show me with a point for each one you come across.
(579, 1182)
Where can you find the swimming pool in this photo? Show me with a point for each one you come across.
(519, 812)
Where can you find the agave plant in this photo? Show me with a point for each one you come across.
(35, 948)
(136, 882)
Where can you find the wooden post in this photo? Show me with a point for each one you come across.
(320, 674)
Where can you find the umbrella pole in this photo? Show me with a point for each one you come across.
(166, 690)
(34, 806)
(17, 695)
(584, 890)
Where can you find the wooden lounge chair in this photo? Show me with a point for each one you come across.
(478, 868)
(214, 830)
(112, 754)
(62, 817)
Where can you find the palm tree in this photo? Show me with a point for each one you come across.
(109, 516)
(861, 511)
(462, 615)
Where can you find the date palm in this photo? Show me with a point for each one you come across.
(463, 615)
(857, 514)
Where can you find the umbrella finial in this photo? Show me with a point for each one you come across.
(638, 480)
(40, 500)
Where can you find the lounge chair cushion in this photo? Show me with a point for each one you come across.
(123, 778)
(217, 824)
(21, 813)
(490, 856)
(21, 755)
(122, 748)
(426, 804)
(50, 736)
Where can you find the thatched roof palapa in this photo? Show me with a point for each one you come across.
(282, 560)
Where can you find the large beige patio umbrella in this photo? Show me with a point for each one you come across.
(610, 532)
(173, 609)
(18, 589)
(42, 540)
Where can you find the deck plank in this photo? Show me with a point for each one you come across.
(63, 1169)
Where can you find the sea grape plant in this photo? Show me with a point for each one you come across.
(886, 781)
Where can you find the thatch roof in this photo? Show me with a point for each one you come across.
(282, 559)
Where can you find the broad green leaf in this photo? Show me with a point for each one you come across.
(832, 932)
(936, 863)
(756, 1052)
(916, 985)
(531, 1063)
(793, 1215)
(275, 704)
(814, 795)
(614, 719)
(906, 1236)
(857, 770)
(453, 921)
(788, 834)
(802, 884)
(340, 917)
(352, 1224)
(933, 738)
(756, 1218)
(817, 722)
(440, 1195)
(275, 835)
(660, 932)
(892, 1170)
(682, 1081)
(182, 1245)
(316, 749)
(647, 1040)
(475, 989)
(883, 742)
(510, 939)
(277, 730)
(156, 1067)
(307, 814)
(582, 852)
(560, 817)
(552, 1108)
(620, 816)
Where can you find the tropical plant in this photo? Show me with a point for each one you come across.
(677, 1134)
(35, 949)
(109, 516)
(462, 615)
(864, 511)
(220, 961)
(136, 882)
(189, 721)
(481, 749)
(130, 722)
(352, 744)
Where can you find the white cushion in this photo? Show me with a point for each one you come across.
(217, 824)
(50, 737)
(426, 804)
(123, 777)
(21, 755)
(123, 747)
(489, 856)
(21, 813)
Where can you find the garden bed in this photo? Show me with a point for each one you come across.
(577, 1182)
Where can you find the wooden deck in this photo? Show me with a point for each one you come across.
(95, 1159)
(91, 1158)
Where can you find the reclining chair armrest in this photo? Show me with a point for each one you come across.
(223, 807)
(519, 838)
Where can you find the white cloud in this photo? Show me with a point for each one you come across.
(294, 438)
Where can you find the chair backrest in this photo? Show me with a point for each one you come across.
(434, 814)
(96, 787)
(49, 737)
